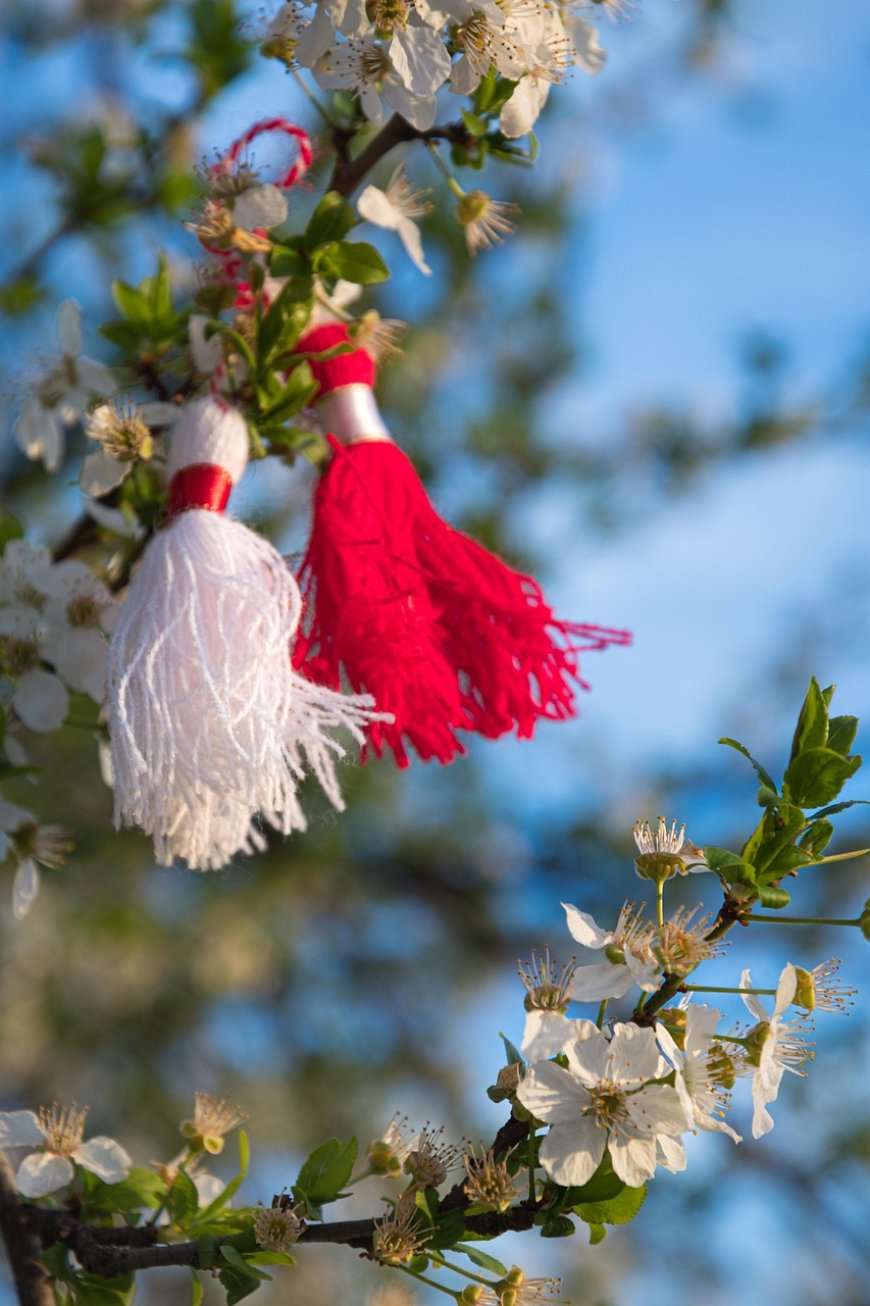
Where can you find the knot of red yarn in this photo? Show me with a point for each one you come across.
(355, 367)
(200, 485)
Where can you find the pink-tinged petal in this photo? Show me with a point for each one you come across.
(785, 989)
(550, 1093)
(634, 1159)
(634, 1055)
(754, 1007)
(43, 1173)
(602, 980)
(589, 1058)
(20, 1129)
(671, 1153)
(25, 888)
(41, 701)
(657, 1109)
(105, 1158)
(571, 1153)
(545, 1034)
(584, 929)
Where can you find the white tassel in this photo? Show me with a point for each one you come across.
(209, 724)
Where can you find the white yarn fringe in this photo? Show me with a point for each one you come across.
(210, 726)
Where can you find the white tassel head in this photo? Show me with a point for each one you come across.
(210, 726)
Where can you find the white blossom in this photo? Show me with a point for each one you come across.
(776, 1045)
(698, 1069)
(58, 1134)
(629, 953)
(123, 432)
(605, 1099)
(395, 210)
(61, 396)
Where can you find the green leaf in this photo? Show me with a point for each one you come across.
(10, 529)
(140, 1188)
(237, 1285)
(270, 1258)
(326, 1171)
(353, 261)
(597, 1234)
(514, 1056)
(812, 726)
(331, 221)
(728, 866)
(838, 807)
(287, 262)
(787, 859)
(841, 733)
(183, 1200)
(56, 1261)
(769, 895)
(449, 1227)
(558, 1226)
(197, 1291)
(817, 838)
(235, 1258)
(481, 1259)
(817, 775)
(92, 1290)
(615, 1210)
(234, 1185)
(763, 776)
(603, 1186)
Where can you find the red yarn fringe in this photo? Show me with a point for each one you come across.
(444, 634)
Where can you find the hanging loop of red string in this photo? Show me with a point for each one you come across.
(266, 126)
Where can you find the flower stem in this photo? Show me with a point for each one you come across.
(803, 920)
(660, 903)
(444, 170)
(844, 857)
(531, 1161)
(430, 1283)
(718, 988)
(306, 90)
(358, 1178)
(601, 1013)
(438, 1259)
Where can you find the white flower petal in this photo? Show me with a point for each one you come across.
(208, 1187)
(589, 1058)
(521, 112)
(80, 657)
(11, 815)
(671, 1153)
(600, 981)
(785, 989)
(375, 206)
(43, 1173)
(571, 1153)
(25, 888)
(95, 379)
(550, 1093)
(261, 206)
(634, 1159)
(634, 1054)
(584, 929)
(545, 1034)
(20, 1129)
(105, 1158)
(657, 1109)
(112, 519)
(409, 235)
(69, 328)
(41, 701)
(101, 473)
(755, 1007)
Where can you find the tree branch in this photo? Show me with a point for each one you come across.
(348, 173)
(23, 1245)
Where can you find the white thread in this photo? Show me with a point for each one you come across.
(210, 726)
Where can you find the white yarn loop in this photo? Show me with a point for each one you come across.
(211, 729)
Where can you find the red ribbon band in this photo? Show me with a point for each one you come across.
(352, 368)
(200, 485)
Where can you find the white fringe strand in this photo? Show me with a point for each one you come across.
(211, 729)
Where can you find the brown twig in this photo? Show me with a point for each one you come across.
(23, 1244)
(348, 173)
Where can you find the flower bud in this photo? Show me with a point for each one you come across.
(470, 1295)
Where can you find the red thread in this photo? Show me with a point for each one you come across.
(303, 140)
(352, 368)
(199, 485)
(444, 634)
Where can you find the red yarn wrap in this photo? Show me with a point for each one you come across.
(352, 368)
(444, 634)
(199, 485)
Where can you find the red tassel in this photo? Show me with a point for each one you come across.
(442, 633)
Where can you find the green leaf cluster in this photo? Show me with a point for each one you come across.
(789, 834)
(149, 324)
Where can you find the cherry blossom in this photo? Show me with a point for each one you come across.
(57, 1134)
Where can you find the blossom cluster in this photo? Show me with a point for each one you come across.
(634, 1088)
(397, 54)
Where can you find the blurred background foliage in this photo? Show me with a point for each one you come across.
(366, 967)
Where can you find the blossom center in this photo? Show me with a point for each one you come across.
(607, 1105)
(64, 1128)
